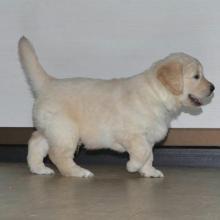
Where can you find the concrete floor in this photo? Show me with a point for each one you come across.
(184, 193)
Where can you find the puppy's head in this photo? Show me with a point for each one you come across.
(182, 75)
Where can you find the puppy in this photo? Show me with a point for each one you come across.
(129, 114)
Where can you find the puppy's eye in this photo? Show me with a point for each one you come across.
(196, 76)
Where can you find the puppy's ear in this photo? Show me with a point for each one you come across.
(171, 76)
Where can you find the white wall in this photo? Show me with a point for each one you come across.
(105, 39)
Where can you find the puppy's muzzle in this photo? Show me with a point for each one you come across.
(212, 88)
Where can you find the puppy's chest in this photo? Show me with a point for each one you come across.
(156, 132)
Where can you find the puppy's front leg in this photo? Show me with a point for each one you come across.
(139, 151)
(148, 170)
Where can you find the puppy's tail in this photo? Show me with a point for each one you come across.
(34, 72)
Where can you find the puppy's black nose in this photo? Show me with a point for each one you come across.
(212, 88)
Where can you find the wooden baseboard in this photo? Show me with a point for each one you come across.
(200, 137)
(204, 137)
(15, 135)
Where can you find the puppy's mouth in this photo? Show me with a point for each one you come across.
(195, 101)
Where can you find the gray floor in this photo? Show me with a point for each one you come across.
(184, 193)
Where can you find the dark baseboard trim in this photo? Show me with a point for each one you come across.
(188, 157)
(209, 137)
(169, 156)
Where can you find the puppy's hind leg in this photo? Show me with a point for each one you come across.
(37, 150)
(62, 136)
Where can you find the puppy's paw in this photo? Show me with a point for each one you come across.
(151, 172)
(86, 173)
(42, 170)
(78, 172)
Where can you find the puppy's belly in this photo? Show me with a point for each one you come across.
(96, 146)
(96, 140)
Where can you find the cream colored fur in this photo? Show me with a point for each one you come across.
(129, 114)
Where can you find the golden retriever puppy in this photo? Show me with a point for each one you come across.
(129, 114)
